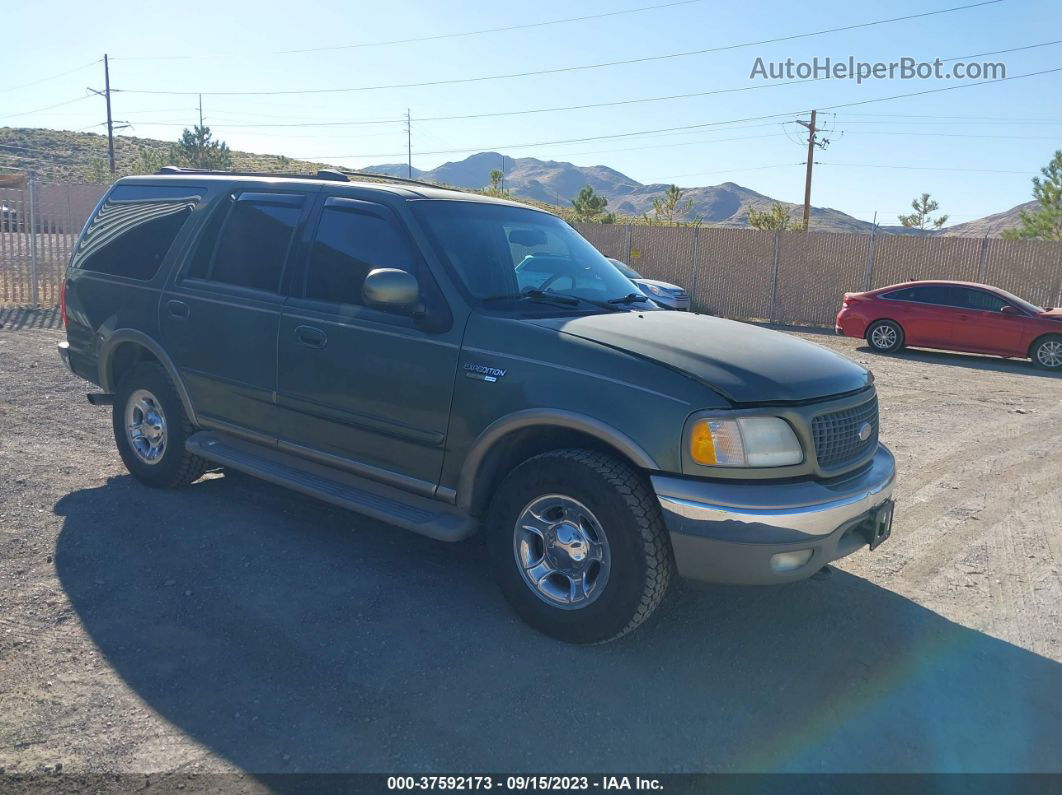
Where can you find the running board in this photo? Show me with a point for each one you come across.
(420, 514)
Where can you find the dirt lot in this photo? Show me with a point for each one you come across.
(236, 626)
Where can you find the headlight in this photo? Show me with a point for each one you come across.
(744, 442)
(654, 290)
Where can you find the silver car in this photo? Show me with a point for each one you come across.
(669, 296)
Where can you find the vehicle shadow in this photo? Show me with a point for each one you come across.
(968, 360)
(286, 636)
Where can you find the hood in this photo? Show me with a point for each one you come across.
(1052, 314)
(657, 283)
(742, 362)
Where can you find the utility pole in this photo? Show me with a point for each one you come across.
(811, 159)
(409, 146)
(200, 111)
(503, 173)
(106, 94)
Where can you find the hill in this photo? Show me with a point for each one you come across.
(58, 155)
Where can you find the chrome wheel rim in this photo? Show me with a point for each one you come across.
(561, 551)
(145, 426)
(1049, 354)
(883, 337)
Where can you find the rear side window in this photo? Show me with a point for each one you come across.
(940, 294)
(247, 241)
(351, 241)
(134, 229)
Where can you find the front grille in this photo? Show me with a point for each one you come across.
(836, 434)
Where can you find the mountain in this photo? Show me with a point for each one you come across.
(991, 225)
(558, 182)
(57, 155)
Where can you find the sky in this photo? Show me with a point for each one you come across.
(975, 149)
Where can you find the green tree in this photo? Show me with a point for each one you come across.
(670, 207)
(496, 189)
(776, 219)
(149, 161)
(196, 148)
(588, 205)
(608, 218)
(1044, 223)
(923, 208)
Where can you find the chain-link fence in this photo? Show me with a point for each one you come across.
(38, 227)
(786, 277)
(799, 277)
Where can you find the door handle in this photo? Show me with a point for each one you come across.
(177, 309)
(311, 337)
(964, 317)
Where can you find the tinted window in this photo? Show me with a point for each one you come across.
(349, 244)
(134, 229)
(246, 242)
(907, 294)
(979, 299)
(925, 294)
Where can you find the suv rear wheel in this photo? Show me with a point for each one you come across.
(579, 546)
(150, 429)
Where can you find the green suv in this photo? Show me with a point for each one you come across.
(453, 364)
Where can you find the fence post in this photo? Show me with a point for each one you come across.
(696, 268)
(868, 269)
(34, 290)
(982, 265)
(774, 276)
(627, 257)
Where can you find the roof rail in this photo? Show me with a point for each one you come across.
(389, 178)
(324, 173)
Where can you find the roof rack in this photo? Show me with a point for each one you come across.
(335, 175)
(389, 178)
(324, 173)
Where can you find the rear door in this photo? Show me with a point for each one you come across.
(220, 317)
(361, 388)
(926, 313)
(982, 326)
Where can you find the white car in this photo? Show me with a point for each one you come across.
(669, 296)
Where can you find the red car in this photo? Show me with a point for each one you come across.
(954, 316)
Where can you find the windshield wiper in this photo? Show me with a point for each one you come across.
(629, 298)
(536, 295)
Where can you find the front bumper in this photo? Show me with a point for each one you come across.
(732, 532)
(676, 304)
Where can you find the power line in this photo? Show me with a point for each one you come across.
(415, 40)
(705, 124)
(1001, 52)
(563, 69)
(52, 77)
(49, 107)
(923, 168)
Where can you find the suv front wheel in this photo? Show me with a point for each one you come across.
(150, 429)
(579, 546)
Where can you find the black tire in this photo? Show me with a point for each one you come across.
(641, 561)
(175, 466)
(1039, 353)
(885, 342)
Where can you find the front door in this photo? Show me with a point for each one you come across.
(220, 318)
(982, 326)
(358, 387)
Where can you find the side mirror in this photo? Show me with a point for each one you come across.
(1007, 309)
(391, 289)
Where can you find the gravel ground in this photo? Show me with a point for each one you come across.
(234, 626)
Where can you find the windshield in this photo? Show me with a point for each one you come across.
(498, 250)
(625, 269)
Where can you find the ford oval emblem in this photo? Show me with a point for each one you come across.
(864, 431)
